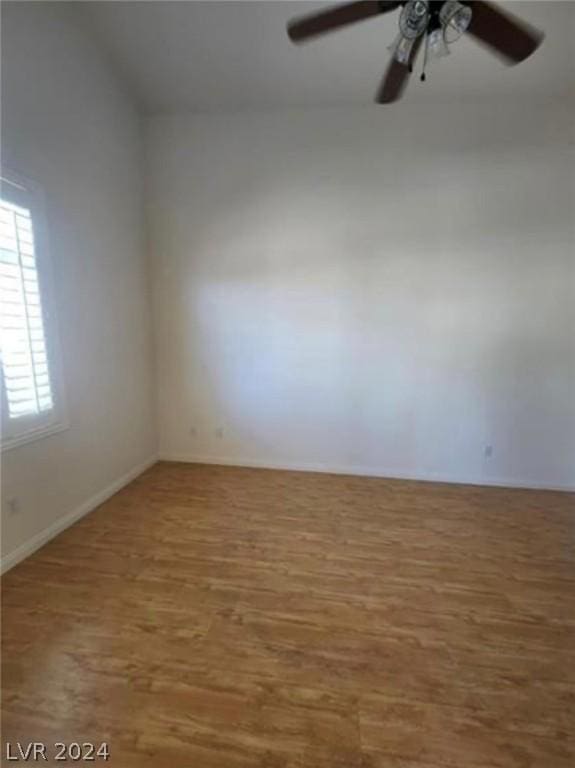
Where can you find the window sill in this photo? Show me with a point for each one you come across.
(36, 434)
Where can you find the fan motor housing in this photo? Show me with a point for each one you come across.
(434, 7)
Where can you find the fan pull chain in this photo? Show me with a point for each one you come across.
(425, 54)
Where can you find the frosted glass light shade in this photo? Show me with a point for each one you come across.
(401, 49)
(436, 45)
(455, 18)
(414, 18)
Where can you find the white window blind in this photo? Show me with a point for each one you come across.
(31, 382)
(24, 358)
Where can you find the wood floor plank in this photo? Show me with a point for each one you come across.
(237, 618)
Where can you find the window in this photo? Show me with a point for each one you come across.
(32, 402)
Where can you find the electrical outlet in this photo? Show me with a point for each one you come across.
(488, 451)
(13, 505)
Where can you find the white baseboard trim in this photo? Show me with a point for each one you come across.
(366, 471)
(37, 541)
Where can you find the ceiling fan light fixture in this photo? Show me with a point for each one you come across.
(414, 18)
(455, 18)
(431, 24)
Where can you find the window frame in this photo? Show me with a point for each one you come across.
(24, 192)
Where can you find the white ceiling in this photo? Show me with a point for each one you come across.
(236, 55)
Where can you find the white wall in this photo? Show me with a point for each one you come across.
(66, 125)
(380, 290)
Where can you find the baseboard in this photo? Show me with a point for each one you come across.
(37, 541)
(367, 471)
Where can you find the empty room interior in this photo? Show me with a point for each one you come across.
(288, 384)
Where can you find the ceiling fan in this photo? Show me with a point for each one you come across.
(438, 22)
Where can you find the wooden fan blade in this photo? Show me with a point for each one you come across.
(510, 38)
(396, 76)
(300, 30)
